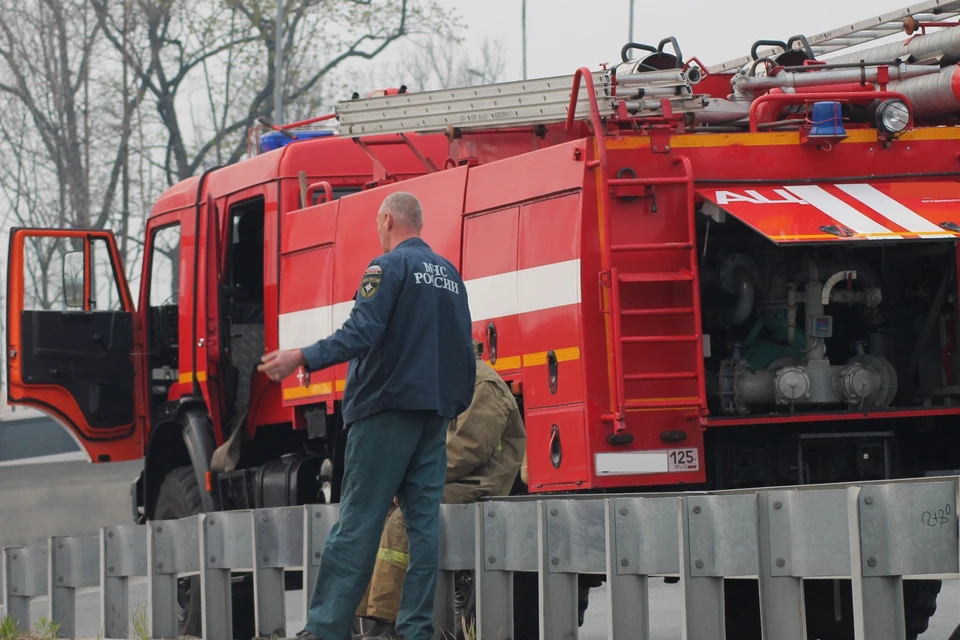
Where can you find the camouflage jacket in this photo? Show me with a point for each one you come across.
(486, 444)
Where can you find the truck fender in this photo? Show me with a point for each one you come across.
(198, 437)
(182, 435)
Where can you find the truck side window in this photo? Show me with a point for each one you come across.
(163, 312)
(165, 266)
(55, 277)
(50, 265)
(104, 287)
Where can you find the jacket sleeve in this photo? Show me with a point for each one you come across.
(373, 305)
(477, 432)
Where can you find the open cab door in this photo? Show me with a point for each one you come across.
(72, 338)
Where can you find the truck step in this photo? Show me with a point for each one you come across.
(682, 275)
(657, 339)
(675, 375)
(660, 246)
(660, 404)
(666, 311)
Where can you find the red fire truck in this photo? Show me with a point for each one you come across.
(730, 276)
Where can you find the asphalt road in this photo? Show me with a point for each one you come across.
(40, 500)
(63, 498)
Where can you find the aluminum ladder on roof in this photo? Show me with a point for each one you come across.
(505, 104)
(863, 32)
(501, 105)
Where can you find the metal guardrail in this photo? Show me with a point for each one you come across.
(872, 533)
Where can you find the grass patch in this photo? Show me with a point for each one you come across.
(469, 630)
(141, 630)
(43, 630)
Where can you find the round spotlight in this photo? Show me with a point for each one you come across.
(893, 116)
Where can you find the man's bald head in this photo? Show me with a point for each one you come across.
(400, 217)
(405, 208)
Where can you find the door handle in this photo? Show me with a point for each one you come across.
(492, 342)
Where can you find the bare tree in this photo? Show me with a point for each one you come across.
(227, 47)
(440, 63)
(64, 148)
(46, 51)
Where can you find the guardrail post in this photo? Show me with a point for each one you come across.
(782, 612)
(897, 529)
(278, 545)
(25, 569)
(877, 600)
(457, 544)
(174, 549)
(571, 541)
(73, 563)
(123, 554)
(226, 544)
(558, 591)
(803, 535)
(641, 540)
(318, 521)
(719, 535)
(506, 542)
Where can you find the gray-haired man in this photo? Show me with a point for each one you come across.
(412, 370)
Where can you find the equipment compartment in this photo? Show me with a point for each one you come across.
(832, 327)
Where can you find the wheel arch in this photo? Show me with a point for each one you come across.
(181, 436)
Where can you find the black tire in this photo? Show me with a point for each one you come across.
(465, 604)
(919, 605)
(180, 498)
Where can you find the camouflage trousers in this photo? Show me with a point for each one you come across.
(382, 598)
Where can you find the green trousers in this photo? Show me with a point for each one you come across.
(382, 599)
(394, 453)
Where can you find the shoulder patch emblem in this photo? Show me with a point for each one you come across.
(373, 269)
(369, 285)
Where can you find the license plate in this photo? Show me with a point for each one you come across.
(683, 460)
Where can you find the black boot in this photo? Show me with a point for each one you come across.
(381, 630)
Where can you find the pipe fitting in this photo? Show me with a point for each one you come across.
(792, 385)
(738, 276)
(855, 383)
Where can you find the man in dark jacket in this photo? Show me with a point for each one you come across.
(412, 371)
(485, 448)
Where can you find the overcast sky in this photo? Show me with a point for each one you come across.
(563, 35)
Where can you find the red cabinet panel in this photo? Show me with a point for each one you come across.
(556, 447)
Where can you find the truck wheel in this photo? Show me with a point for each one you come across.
(465, 605)
(919, 605)
(180, 498)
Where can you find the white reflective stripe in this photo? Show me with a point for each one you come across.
(841, 211)
(341, 311)
(894, 211)
(505, 294)
(632, 463)
(493, 296)
(296, 327)
(546, 287)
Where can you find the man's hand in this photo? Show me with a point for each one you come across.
(279, 364)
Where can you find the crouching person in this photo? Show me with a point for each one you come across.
(485, 448)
